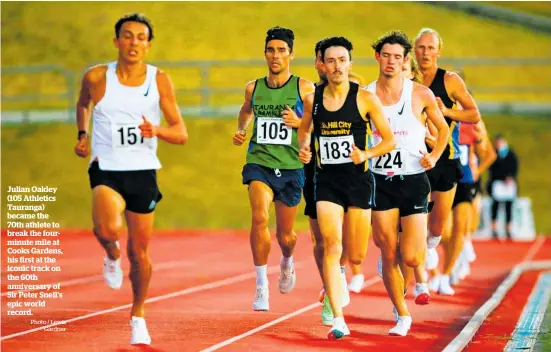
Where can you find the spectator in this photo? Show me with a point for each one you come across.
(502, 183)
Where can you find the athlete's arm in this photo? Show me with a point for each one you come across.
(289, 116)
(370, 104)
(245, 115)
(435, 117)
(175, 132)
(431, 134)
(483, 148)
(84, 107)
(305, 128)
(458, 92)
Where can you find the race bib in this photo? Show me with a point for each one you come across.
(464, 155)
(390, 163)
(336, 150)
(127, 136)
(272, 130)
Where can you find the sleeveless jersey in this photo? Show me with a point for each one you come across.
(310, 168)
(408, 132)
(273, 144)
(117, 142)
(439, 89)
(336, 132)
(466, 143)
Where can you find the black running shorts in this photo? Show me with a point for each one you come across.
(139, 189)
(408, 193)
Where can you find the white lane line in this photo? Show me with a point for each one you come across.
(187, 291)
(468, 332)
(94, 278)
(368, 283)
(534, 249)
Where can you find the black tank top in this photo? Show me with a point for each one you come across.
(310, 168)
(439, 89)
(335, 132)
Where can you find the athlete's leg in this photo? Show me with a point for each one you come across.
(442, 207)
(107, 208)
(260, 198)
(287, 239)
(385, 236)
(461, 214)
(140, 228)
(356, 239)
(330, 220)
(318, 244)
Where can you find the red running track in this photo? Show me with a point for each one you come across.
(201, 296)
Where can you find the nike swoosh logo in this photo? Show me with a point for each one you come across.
(416, 207)
(401, 111)
(147, 91)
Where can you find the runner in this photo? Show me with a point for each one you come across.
(448, 88)
(124, 98)
(340, 113)
(273, 171)
(402, 186)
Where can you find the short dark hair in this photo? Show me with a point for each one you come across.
(336, 41)
(318, 45)
(393, 37)
(134, 17)
(280, 33)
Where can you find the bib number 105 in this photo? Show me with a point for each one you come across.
(272, 130)
(389, 162)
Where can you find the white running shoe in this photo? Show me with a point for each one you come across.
(431, 259)
(445, 287)
(421, 294)
(287, 279)
(465, 270)
(402, 327)
(112, 271)
(469, 251)
(380, 266)
(357, 283)
(339, 329)
(140, 335)
(434, 283)
(433, 241)
(262, 299)
(345, 295)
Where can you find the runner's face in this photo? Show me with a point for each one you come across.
(277, 55)
(337, 64)
(319, 67)
(133, 41)
(407, 70)
(427, 50)
(391, 60)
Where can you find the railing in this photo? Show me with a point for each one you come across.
(205, 91)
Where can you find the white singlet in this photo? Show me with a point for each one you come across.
(117, 142)
(408, 132)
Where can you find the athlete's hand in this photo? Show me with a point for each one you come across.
(357, 155)
(148, 129)
(239, 137)
(305, 155)
(430, 139)
(441, 106)
(427, 161)
(290, 118)
(475, 172)
(82, 148)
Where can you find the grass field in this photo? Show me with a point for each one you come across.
(539, 8)
(78, 34)
(201, 181)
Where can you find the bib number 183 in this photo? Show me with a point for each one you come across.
(336, 150)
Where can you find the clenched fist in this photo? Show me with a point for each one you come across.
(82, 148)
(148, 129)
(239, 137)
(357, 155)
(305, 155)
